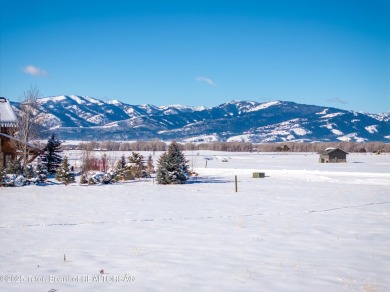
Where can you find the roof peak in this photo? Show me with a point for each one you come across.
(7, 115)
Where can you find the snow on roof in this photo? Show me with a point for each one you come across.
(7, 114)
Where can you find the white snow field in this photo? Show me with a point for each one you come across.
(306, 226)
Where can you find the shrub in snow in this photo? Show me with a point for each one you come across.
(93, 178)
(92, 181)
(100, 177)
(106, 178)
(172, 166)
(14, 176)
(112, 173)
(84, 179)
(64, 173)
(126, 170)
(14, 167)
(96, 178)
(14, 180)
(20, 181)
(2, 175)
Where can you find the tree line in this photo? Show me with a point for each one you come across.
(156, 145)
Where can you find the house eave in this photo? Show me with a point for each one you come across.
(31, 146)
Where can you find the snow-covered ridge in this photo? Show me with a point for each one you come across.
(324, 112)
(264, 106)
(381, 117)
(202, 139)
(332, 115)
(93, 100)
(182, 107)
(77, 99)
(76, 117)
(351, 137)
(240, 138)
(52, 98)
(114, 102)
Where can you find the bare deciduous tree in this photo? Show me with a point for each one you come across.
(27, 130)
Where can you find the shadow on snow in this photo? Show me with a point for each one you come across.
(208, 180)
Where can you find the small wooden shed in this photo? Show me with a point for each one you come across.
(333, 155)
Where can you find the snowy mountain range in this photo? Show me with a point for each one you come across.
(86, 118)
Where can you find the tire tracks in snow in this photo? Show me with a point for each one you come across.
(193, 218)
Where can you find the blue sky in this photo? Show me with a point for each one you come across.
(330, 53)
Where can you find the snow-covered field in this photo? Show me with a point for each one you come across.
(306, 226)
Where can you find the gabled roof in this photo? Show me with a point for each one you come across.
(32, 146)
(330, 150)
(7, 114)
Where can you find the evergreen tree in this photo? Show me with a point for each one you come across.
(172, 166)
(29, 172)
(162, 170)
(63, 173)
(41, 170)
(137, 165)
(51, 155)
(120, 169)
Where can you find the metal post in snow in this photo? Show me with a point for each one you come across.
(235, 183)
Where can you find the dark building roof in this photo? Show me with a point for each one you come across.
(330, 150)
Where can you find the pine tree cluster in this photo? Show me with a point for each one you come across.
(134, 167)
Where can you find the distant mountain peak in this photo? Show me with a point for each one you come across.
(88, 118)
